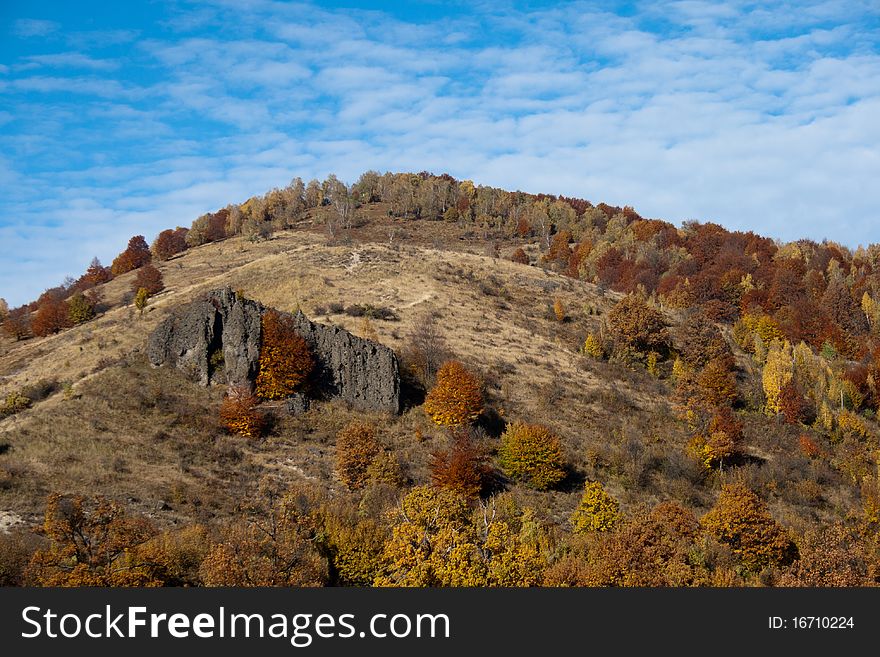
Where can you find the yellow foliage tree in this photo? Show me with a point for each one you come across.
(285, 358)
(778, 371)
(593, 347)
(90, 544)
(438, 541)
(457, 398)
(597, 511)
(531, 454)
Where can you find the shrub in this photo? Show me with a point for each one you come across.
(285, 359)
(356, 449)
(531, 454)
(558, 310)
(240, 414)
(15, 402)
(597, 511)
(457, 398)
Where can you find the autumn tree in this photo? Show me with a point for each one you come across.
(240, 414)
(148, 278)
(438, 540)
(17, 323)
(778, 372)
(169, 243)
(593, 347)
(635, 325)
(462, 468)
(275, 543)
(721, 442)
(699, 340)
(597, 512)
(558, 310)
(741, 520)
(285, 358)
(531, 454)
(717, 383)
(96, 274)
(356, 449)
(4, 310)
(136, 254)
(90, 544)
(52, 313)
(457, 397)
(651, 549)
(519, 256)
(141, 298)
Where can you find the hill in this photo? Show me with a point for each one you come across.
(686, 373)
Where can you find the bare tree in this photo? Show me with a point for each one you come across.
(426, 349)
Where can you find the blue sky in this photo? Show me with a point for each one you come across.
(123, 118)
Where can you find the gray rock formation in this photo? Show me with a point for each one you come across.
(363, 373)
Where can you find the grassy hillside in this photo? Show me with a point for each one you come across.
(103, 422)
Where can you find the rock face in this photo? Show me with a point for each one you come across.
(363, 373)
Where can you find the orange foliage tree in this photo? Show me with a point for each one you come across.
(52, 313)
(285, 359)
(240, 414)
(356, 449)
(742, 520)
(457, 398)
(96, 274)
(90, 545)
(136, 254)
(519, 256)
(633, 324)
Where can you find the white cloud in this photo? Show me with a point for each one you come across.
(32, 27)
(756, 116)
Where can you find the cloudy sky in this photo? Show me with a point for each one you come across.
(123, 118)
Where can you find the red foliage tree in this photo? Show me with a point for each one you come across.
(149, 278)
(169, 243)
(52, 313)
(463, 468)
(136, 254)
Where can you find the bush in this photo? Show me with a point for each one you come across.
(79, 309)
(634, 325)
(519, 256)
(532, 455)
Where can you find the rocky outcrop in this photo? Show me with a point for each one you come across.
(362, 372)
